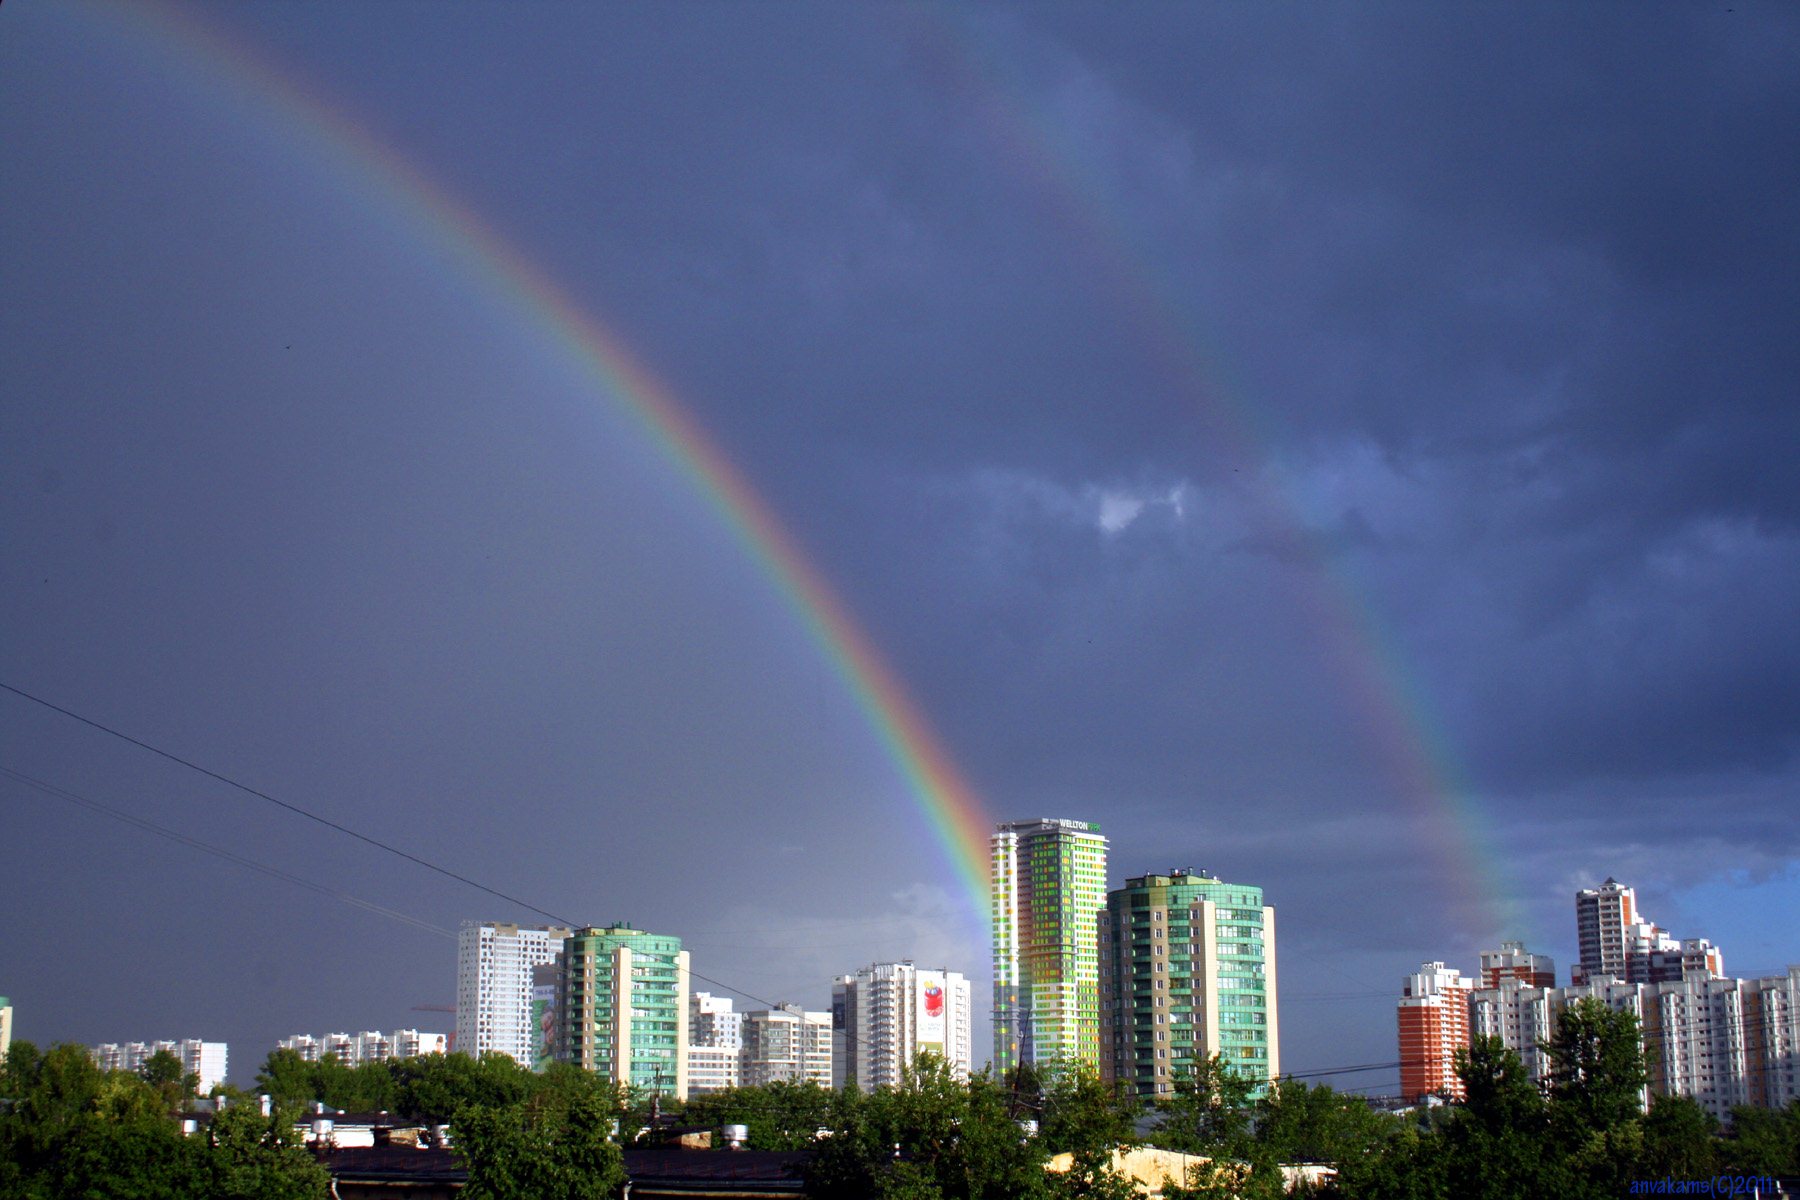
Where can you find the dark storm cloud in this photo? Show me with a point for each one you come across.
(1195, 405)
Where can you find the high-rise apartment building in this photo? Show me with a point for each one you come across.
(622, 1007)
(1617, 943)
(5, 1024)
(1049, 890)
(1187, 966)
(1521, 1015)
(787, 1043)
(715, 1044)
(1690, 958)
(714, 1021)
(205, 1061)
(493, 986)
(884, 1015)
(1607, 929)
(1433, 1020)
(713, 1069)
(1772, 1038)
(1720, 1042)
(1513, 961)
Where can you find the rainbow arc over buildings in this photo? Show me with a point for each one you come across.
(1367, 662)
(373, 170)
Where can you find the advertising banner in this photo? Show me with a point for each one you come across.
(931, 1027)
(543, 1016)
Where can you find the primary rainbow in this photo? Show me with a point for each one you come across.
(949, 804)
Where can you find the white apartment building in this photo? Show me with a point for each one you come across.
(1617, 943)
(787, 1043)
(713, 1069)
(1513, 961)
(1690, 958)
(1520, 1015)
(1725, 1042)
(206, 1060)
(494, 986)
(1772, 1034)
(714, 1021)
(715, 1043)
(353, 1050)
(886, 1013)
(5, 1024)
(1720, 1042)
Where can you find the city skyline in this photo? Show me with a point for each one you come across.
(706, 468)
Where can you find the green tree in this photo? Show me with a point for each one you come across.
(1088, 1119)
(783, 1115)
(1597, 1078)
(126, 1160)
(1681, 1140)
(289, 1080)
(1298, 1123)
(1209, 1112)
(931, 1137)
(564, 1082)
(1412, 1166)
(162, 1071)
(75, 1131)
(1499, 1093)
(51, 1094)
(1598, 1071)
(1083, 1113)
(254, 1157)
(542, 1150)
(432, 1088)
(1493, 1147)
(1763, 1142)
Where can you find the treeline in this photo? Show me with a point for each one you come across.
(69, 1130)
(1586, 1135)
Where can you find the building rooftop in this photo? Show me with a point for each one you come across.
(653, 1170)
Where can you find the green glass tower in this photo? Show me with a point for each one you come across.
(1187, 970)
(1049, 890)
(621, 1007)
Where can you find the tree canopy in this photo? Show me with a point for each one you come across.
(73, 1131)
(69, 1129)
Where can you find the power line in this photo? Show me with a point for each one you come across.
(312, 816)
(1356, 1070)
(51, 789)
(283, 804)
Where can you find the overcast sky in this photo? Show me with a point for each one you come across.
(1348, 448)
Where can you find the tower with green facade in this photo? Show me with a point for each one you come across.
(621, 1007)
(1049, 891)
(1187, 970)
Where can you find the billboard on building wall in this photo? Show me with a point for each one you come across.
(931, 1023)
(543, 1016)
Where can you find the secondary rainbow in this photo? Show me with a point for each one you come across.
(949, 804)
(1372, 673)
